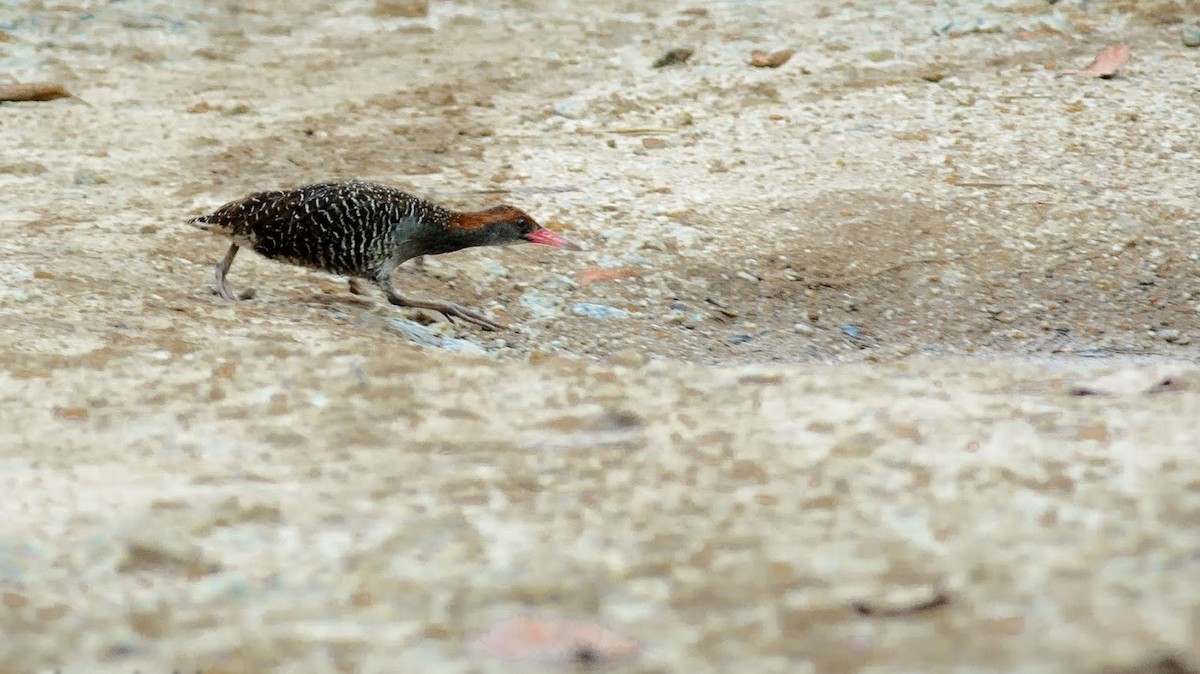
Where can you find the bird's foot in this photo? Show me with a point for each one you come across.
(221, 270)
(226, 292)
(447, 309)
(452, 311)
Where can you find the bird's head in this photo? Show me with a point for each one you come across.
(502, 225)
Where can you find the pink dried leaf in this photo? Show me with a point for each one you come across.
(1107, 64)
(553, 639)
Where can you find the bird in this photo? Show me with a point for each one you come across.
(365, 230)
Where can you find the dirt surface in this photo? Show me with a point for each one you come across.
(310, 481)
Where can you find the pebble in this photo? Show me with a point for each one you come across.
(763, 59)
(851, 331)
(219, 585)
(965, 25)
(1191, 36)
(542, 305)
(1169, 335)
(571, 109)
(803, 328)
(741, 339)
(933, 74)
(88, 178)
(598, 311)
(674, 57)
(686, 237)
(560, 282)
(747, 276)
(462, 346)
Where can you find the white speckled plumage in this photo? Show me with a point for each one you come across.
(363, 230)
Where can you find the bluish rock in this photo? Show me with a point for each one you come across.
(598, 311)
(415, 332)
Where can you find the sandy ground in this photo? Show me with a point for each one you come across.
(907, 314)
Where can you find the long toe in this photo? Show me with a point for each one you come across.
(472, 317)
(227, 293)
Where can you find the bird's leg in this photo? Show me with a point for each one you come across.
(358, 287)
(223, 268)
(444, 308)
